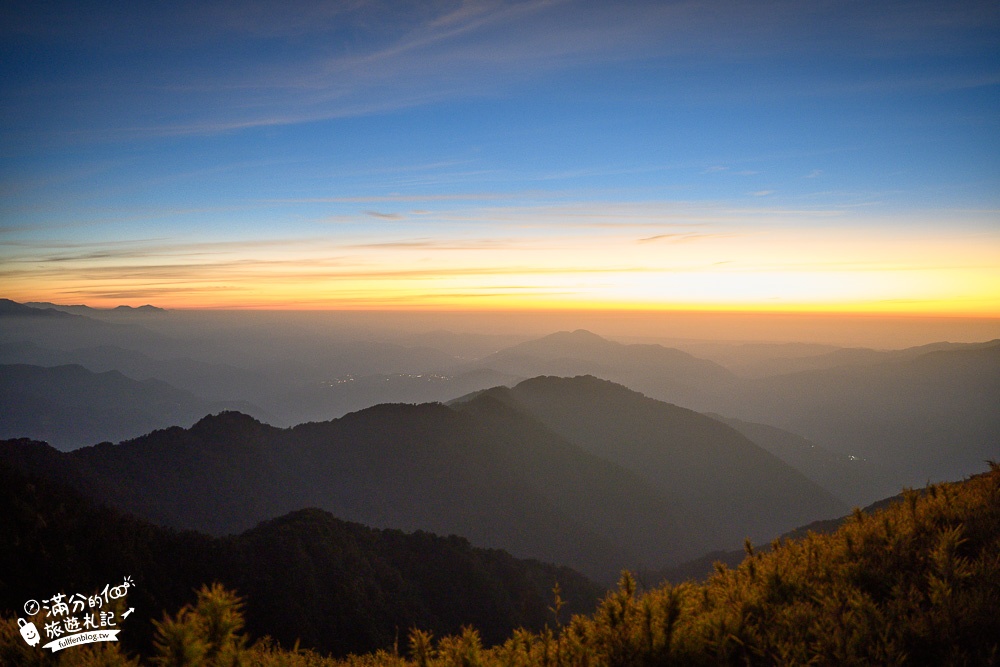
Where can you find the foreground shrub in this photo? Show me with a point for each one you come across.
(917, 583)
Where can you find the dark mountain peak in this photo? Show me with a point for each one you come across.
(17, 448)
(591, 393)
(578, 383)
(394, 411)
(396, 418)
(228, 423)
(307, 519)
(500, 394)
(226, 418)
(497, 401)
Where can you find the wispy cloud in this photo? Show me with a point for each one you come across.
(408, 54)
(681, 237)
(675, 216)
(38, 254)
(414, 197)
(385, 216)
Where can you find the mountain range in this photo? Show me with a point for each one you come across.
(549, 453)
(859, 422)
(117, 311)
(307, 577)
(680, 452)
(930, 415)
(72, 406)
(882, 419)
(504, 468)
(649, 368)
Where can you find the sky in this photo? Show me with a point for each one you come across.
(793, 156)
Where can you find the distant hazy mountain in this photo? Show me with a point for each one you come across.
(465, 346)
(315, 401)
(293, 373)
(315, 381)
(307, 576)
(908, 416)
(743, 488)
(212, 381)
(117, 311)
(10, 308)
(755, 359)
(847, 478)
(49, 327)
(670, 374)
(70, 406)
(758, 360)
(320, 401)
(932, 416)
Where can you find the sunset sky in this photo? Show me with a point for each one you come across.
(773, 156)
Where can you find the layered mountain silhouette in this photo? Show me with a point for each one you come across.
(117, 311)
(900, 417)
(9, 309)
(651, 369)
(207, 380)
(307, 577)
(515, 474)
(927, 416)
(56, 328)
(679, 451)
(760, 360)
(71, 406)
(841, 474)
(351, 392)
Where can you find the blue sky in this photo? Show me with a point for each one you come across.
(366, 154)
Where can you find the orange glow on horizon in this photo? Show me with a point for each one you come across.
(757, 269)
(495, 304)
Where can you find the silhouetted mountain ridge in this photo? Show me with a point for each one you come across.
(648, 368)
(97, 312)
(679, 451)
(925, 412)
(336, 586)
(932, 416)
(502, 473)
(10, 308)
